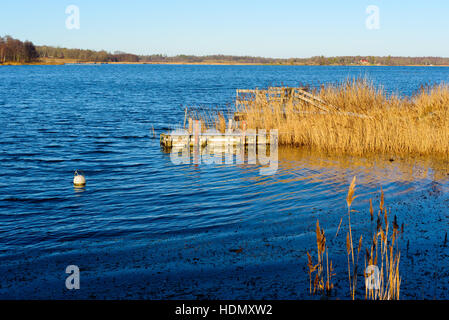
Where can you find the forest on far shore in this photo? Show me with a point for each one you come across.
(15, 51)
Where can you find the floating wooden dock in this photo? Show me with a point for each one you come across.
(237, 138)
(236, 135)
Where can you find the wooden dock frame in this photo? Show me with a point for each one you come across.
(286, 95)
(281, 94)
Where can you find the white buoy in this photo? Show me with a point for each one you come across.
(78, 179)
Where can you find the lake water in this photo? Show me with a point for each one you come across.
(146, 228)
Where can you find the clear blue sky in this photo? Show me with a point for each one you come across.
(246, 27)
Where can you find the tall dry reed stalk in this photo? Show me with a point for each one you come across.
(322, 282)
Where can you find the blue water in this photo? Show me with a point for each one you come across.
(99, 118)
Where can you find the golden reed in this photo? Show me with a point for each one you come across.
(392, 125)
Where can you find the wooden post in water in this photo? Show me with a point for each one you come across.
(243, 132)
(185, 118)
(230, 126)
(196, 132)
(196, 141)
(190, 126)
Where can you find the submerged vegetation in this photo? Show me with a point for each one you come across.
(381, 272)
(364, 120)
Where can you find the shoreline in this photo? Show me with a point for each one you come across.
(73, 62)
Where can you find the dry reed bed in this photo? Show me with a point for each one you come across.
(417, 125)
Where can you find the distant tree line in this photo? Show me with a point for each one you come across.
(386, 61)
(13, 50)
(85, 55)
(210, 58)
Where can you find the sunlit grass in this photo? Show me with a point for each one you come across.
(364, 119)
